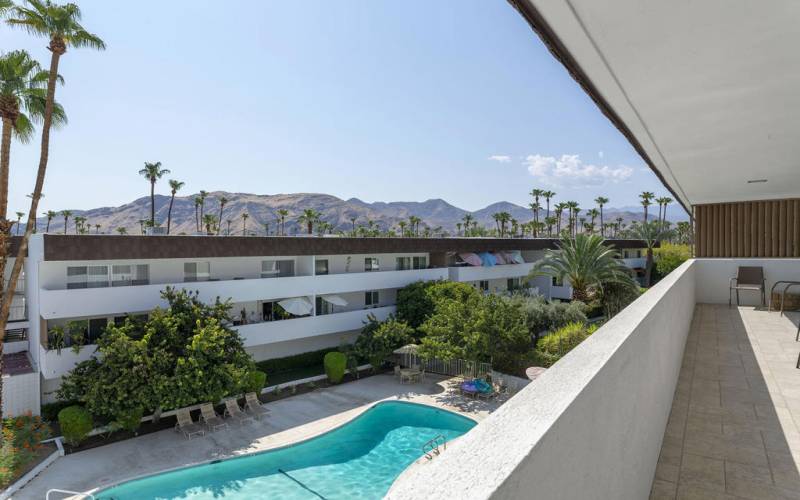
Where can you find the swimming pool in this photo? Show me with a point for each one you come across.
(360, 459)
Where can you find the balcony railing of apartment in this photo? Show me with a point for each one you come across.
(18, 313)
(593, 425)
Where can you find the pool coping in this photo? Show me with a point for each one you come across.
(340, 421)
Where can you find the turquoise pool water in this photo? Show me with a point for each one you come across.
(360, 459)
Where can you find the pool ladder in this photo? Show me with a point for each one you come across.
(431, 448)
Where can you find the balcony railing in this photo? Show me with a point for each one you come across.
(18, 313)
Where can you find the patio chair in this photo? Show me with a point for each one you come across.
(254, 406)
(210, 417)
(748, 278)
(232, 410)
(186, 425)
(397, 371)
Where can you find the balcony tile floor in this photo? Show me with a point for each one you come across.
(734, 428)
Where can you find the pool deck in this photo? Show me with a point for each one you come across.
(290, 420)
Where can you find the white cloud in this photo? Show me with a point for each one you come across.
(570, 170)
(500, 158)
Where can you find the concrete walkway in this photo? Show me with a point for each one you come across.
(291, 420)
(734, 429)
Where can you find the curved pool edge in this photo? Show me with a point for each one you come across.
(352, 415)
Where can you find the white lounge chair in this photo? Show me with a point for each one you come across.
(186, 425)
(233, 411)
(210, 417)
(254, 406)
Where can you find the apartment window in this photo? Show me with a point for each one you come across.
(557, 281)
(371, 299)
(483, 285)
(321, 267)
(371, 264)
(323, 307)
(514, 283)
(129, 274)
(277, 268)
(97, 327)
(196, 271)
(87, 277)
(420, 262)
(403, 263)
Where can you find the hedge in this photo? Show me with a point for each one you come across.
(335, 366)
(75, 423)
(289, 363)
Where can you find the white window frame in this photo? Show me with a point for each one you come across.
(197, 274)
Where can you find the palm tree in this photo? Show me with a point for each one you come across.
(197, 203)
(535, 206)
(283, 213)
(222, 202)
(572, 206)
(228, 221)
(142, 223)
(60, 25)
(309, 217)
(646, 200)
(122, 230)
(548, 195)
(174, 187)
(586, 262)
(601, 201)
(97, 229)
(559, 210)
(49, 214)
(651, 233)
(153, 172)
(593, 213)
(245, 216)
(79, 221)
(19, 219)
(66, 214)
(468, 219)
(210, 223)
(413, 222)
(402, 225)
(202, 196)
(662, 207)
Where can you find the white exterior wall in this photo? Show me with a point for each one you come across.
(21, 394)
(715, 274)
(292, 347)
(590, 427)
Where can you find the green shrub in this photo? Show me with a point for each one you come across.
(255, 381)
(335, 366)
(50, 411)
(378, 339)
(130, 420)
(669, 257)
(289, 363)
(76, 423)
(416, 302)
(553, 347)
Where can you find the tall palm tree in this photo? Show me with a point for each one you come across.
(573, 208)
(548, 195)
(60, 25)
(593, 213)
(646, 199)
(229, 226)
(79, 221)
(402, 225)
(468, 220)
(309, 217)
(559, 211)
(19, 219)
(662, 207)
(601, 201)
(586, 262)
(536, 193)
(153, 172)
(283, 213)
(222, 202)
(50, 214)
(97, 229)
(414, 222)
(202, 196)
(66, 214)
(197, 203)
(245, 216)
(174, 187)
(651, 233)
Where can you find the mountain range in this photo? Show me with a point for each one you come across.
(263, 209)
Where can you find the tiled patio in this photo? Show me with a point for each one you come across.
(734, 427)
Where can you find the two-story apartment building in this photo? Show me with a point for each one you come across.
(288, 294)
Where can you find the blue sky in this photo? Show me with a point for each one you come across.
(377, 100)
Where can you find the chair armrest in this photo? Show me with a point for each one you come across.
(732, 281)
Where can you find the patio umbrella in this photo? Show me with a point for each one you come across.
(299, 306)
(335, 300)
(470, 258)
(409, 353)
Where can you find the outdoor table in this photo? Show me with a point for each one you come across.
(412, 374)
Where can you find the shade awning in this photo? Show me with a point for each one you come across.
(299, 306)
(407, 349)
(334, 299)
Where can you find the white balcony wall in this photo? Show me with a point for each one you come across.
(714, 278)
(310, 326)
(338, 264)
(477, 273)
(590, 427)
(130, 299)
(55, 365)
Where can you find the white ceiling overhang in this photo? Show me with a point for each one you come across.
(708, 92)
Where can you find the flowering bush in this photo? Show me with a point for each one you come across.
(22, 438)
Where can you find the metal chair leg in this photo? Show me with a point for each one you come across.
(737, 297)
(797, 337)
(798, 361)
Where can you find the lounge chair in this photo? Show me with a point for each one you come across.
(210, 417)
(748, 278)
(186, 425)
(233, 411)
(254, 406)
